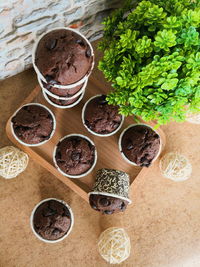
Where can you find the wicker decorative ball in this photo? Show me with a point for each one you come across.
(12, 162)
(175, 166)
(114, 245)
(193, 118)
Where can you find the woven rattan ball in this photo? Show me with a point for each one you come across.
(12, 162)
(114, 245)
(175, 166)
(193, 118)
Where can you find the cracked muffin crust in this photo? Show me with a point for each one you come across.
(107, 204)
(140, 144)
(33, 124)
(52, 220)
(75, 155)
(100, 117)
(63, 57)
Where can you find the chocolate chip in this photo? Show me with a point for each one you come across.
(108, 212)
(102, 100)
(75, 156)
(48, 212)
(80, 42)
(56, 231)
(156, 136)
(88, 53)
(51, 44)
(104, 202)
(129, 146)
(123, 206)
(93, 206)
(66, 213)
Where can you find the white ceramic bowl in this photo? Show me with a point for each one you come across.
(79, 175)
(43, 142)
(57, 85)
(120, 141)
(32, 224)
(92, 132)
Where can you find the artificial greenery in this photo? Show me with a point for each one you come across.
(152, 57)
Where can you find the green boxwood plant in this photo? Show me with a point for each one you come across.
(151, 54)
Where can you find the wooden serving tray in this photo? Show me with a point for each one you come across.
(69, 121)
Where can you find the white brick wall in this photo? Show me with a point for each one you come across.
(21, 21)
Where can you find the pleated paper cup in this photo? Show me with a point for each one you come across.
(68, 86)
(111, 183)
(79, 175)
(92, 132)
(62, 106)
(120, 143)
(71, 218)
(43, 142)
(47, 92)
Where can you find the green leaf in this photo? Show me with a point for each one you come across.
(170, 84)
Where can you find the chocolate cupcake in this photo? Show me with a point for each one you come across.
(100, 118)
(63, 104)
(63, 57)
(75, 155)
(110, 192)
(140, 145)
(33, 124)
(52, 220)
(63, 94)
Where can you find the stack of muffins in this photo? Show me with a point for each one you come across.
(63, 60)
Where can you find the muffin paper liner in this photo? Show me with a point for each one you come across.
(63, 97)
(79, 175)
(69, 86)
(32, 224)
(92, 132)
(43, 142)
(60, 106)
(113, 183)
(120, 141)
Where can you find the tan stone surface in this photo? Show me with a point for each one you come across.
(163, 221)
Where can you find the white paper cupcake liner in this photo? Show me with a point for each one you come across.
(120, 146)
(43, 142)
(60, 106)
(92, 132)
(110, 195)
(62, 97)
(83, 79)
(79, 175)
(32, 224)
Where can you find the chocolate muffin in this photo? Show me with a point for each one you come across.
(140, 144)
(100, 117)
(63, 102)
(62, 92)
(75, 155)
(63, 57)
(33, 124)
(107, 204)
(52, 220)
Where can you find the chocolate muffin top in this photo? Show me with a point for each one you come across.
(140, 144)
(52, 220)
(100, 117)
(107, 204)
(63, 57)
(75, 155)
(33, 124)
